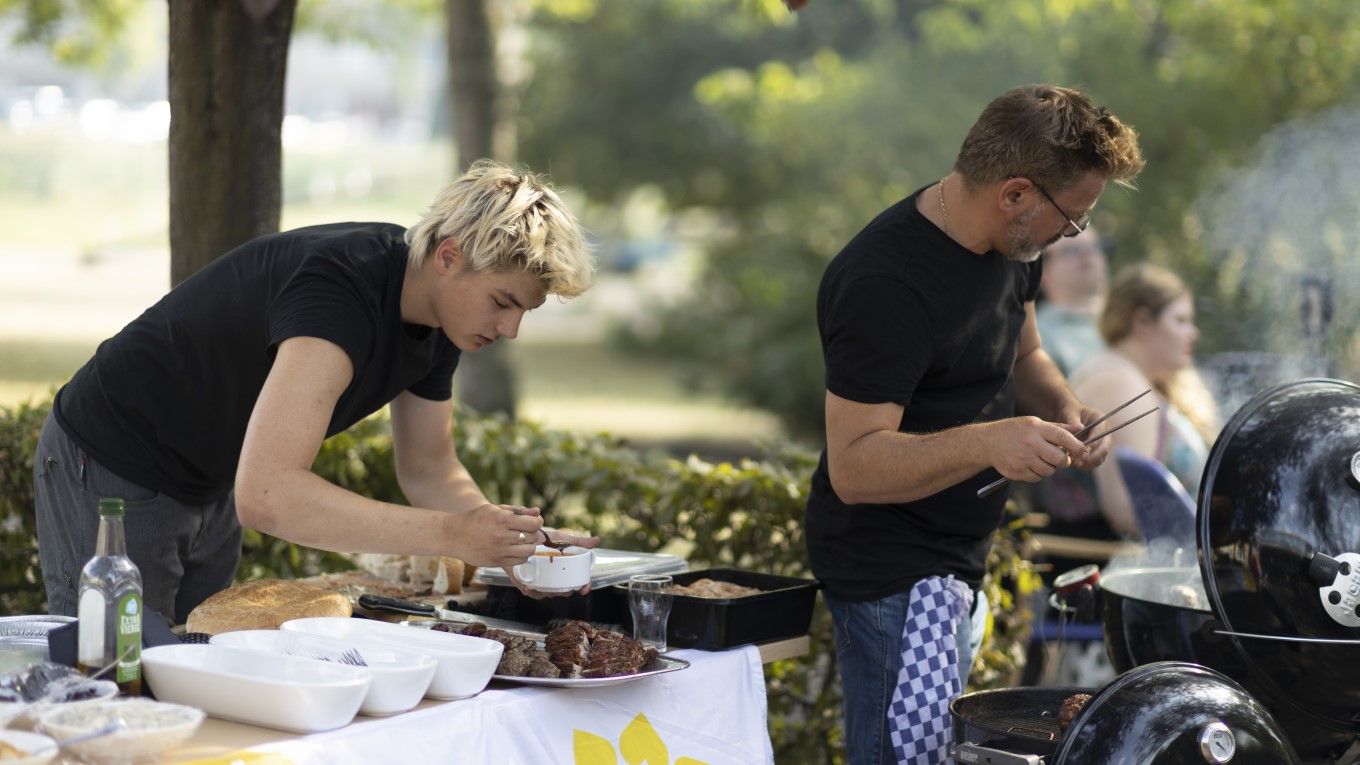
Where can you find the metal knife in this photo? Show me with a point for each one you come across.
(399, 606)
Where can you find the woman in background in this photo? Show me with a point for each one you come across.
(1148, 324)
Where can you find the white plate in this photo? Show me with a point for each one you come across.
(400, 677)
(272, 690)
(465, 664)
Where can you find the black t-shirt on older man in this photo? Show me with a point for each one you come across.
(165, 402)
(908, 316)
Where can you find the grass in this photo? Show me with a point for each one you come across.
(84, 252)
(595, 387)
(589, 387)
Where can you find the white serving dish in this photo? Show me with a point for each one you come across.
(149, 728)
(400, 677)
(25, 741)
(271, 690)
(466, 664)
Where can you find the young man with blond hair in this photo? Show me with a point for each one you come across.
(207, 411)
(928, 335)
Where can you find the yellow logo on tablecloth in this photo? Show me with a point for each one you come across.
(639, 744)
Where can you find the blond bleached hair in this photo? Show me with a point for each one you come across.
(1051, 135)
(507, 219)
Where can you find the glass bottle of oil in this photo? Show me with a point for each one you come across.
(110, 608)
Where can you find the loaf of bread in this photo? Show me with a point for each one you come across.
(264, 604)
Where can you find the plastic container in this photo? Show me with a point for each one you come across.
(783, 609)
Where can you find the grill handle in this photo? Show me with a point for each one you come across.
(972, 754)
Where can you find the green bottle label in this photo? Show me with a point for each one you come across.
(129, 633)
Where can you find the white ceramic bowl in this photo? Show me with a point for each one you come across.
(271, 690)
(466, 664)
(26, 741)
(400, 677)
(149, 728)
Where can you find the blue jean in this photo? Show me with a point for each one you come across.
(184, 553)
(869, 651)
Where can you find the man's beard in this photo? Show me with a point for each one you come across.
(1020, 244)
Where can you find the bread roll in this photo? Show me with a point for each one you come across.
(264, 604)
(448, 576)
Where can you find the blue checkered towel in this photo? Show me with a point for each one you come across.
(919, 723)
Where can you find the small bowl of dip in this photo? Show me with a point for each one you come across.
(148, 728)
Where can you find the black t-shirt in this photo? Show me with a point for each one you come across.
(165, 402)
(907, 315)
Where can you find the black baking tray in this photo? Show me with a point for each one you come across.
(783, 609)
(599, 607)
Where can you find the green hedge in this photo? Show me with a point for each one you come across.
(745, 515)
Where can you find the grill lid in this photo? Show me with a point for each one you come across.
(1173, 713)
(1279, 536)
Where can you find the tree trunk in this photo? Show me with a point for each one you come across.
(227, 64)
(486, 379)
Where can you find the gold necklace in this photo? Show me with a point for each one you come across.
(943, 210)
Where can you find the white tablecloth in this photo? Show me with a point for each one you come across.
(710, 713)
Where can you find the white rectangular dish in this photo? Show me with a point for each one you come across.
(400, 677)
(465, 664)
(271, 690)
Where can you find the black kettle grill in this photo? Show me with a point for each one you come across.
(1167, 713)
(1261, 639)
(1275, 602)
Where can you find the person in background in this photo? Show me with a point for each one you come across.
(1071, 295)
(207, 411)
(936, 384)
(1148, 324)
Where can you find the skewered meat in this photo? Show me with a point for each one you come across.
(1071, 707)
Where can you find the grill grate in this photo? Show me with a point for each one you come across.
(1038, 727)
(1012, 718)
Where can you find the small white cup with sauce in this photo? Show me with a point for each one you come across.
(550, 570)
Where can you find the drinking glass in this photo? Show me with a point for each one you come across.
(649, 598)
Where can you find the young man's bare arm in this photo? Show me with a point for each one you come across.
(277, 493)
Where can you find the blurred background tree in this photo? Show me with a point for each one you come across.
(790, 133)
(766, 139)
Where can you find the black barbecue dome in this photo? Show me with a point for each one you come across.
(1279, 540)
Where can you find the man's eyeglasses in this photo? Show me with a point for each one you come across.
(1079, 224)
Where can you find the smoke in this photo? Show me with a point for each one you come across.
(1297, 210)
(1164, 571)
(1284, 236)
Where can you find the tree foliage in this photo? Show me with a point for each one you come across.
(793, 135)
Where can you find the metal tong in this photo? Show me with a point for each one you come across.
(997, 484)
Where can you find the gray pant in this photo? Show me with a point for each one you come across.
(184, 552)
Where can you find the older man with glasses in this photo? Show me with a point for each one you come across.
(928, 334)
